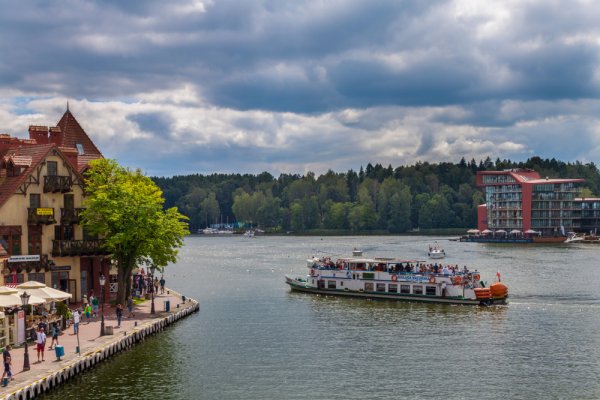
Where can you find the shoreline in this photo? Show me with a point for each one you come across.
(52, 373)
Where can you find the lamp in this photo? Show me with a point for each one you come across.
(25, 301)
(152, 269)
(102, 282)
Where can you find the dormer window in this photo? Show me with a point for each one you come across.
(79, 149)
(52, 168)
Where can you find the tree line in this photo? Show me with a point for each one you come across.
(374, 199)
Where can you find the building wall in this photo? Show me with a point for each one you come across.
(15, 212)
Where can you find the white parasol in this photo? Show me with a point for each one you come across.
(41, 290)
(10, 297)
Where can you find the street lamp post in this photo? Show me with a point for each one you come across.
(24, 301)
(152, 268)
(102, 282)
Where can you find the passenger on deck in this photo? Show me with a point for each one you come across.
(435, 268)
(446, 271)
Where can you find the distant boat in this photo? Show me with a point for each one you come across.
(215, 232)
(436, 252)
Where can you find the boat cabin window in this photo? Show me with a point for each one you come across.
(381, 287)
(368, 286)
(405, 289)
(393, 288)
(417, 289)
(430, 290)
(331, 285)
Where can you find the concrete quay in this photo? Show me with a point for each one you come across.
(51, 373)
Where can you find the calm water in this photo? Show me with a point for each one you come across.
(254, 339)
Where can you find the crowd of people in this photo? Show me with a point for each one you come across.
(413, 267)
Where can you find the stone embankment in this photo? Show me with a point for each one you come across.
(44, 376)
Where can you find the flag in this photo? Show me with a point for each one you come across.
(498, 275)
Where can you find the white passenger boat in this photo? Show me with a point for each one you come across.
(396, 279)
(436, 253)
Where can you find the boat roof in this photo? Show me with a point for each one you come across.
(378, 260)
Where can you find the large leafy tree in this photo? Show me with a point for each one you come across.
(125, 208)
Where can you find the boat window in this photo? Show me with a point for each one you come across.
(417, 289)
(381, 287)
(341, 283)
(404, 288)
(393, 288)
(368, 286)
(331, 285)
(430, 290)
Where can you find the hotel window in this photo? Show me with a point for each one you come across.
(34, 200)
(52, 168)
(10, 278)
(405, 289)
(34, 239)
(37, 277)
(417, 289)
(60, 280)
(11, 243)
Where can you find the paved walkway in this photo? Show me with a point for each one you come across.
(89, 339)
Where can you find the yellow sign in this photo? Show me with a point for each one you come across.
(45, 211)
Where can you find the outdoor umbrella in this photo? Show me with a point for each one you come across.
(515, 231)
(500, 231)
(486, 231)
(41, 290)
(10, 297)
(473, 231)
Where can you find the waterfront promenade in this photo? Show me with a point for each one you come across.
(90, 341)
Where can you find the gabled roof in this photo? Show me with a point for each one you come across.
(37, 154)
(72, 135)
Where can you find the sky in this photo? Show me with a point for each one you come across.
(181, 87)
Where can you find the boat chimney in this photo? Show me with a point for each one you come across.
(356, 252)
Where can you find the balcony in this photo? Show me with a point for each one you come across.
(70, 248)
(40, 216)
(57, 184)
(70, 216)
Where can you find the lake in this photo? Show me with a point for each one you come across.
(254, 339)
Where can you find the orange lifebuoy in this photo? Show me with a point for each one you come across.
(432, 279)
(457, 280)
(476, 277)
(394, 278)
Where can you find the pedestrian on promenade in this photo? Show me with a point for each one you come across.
(162, 284)
(88, 312)
(7, 363)
(95, 304)
(156, 283)
(41, 343)
(43, 324)
(119, 314)
(76, 319)
(55, 332)
(130, 307)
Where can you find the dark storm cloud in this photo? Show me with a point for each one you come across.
(308, 84)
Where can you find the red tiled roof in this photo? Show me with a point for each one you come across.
(37, 153)
(73, 134)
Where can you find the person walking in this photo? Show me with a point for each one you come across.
(76, 319)
(119, 314)
(88, 312)
(156, 283)
(7, 363)
(55, 332)
(162, 284)
(41, 343)
(130, 307)
(95, 306)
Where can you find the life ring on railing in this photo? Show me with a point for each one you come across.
(477, 277)
(432, 279)
(457, 280)
(394, 278)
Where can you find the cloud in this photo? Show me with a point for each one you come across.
(200, 86)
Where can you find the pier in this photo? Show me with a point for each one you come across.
(50, 374)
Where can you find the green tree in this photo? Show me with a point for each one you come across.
(125, 208)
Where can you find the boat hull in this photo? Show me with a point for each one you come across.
(302, 287)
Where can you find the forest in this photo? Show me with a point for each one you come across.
(375, 199)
